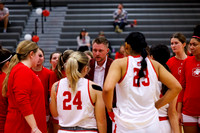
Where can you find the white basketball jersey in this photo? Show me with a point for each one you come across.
(136, 105)
(163, 110)
(75, 108)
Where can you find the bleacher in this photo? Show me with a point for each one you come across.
(158, 20)
(19, 14)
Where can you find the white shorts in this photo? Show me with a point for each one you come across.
(165, 126)
(76, 130)
(154, 128)
(191, 120)
(64, 131)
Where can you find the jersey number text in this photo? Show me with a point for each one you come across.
(76, 101)
(144, 82)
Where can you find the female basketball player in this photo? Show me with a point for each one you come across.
(188, 100)
(137, 78)
(76, 101)
(168, 116)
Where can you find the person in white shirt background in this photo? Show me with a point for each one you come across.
(4, 15)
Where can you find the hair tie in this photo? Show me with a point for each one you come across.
(18, 55)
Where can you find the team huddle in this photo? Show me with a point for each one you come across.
(144, 92)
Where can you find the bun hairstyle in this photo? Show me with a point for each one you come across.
(138, 44)
(74, 66)
(196, 33)
(22, 51)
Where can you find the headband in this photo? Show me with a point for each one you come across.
(6, 59)
(196, 37)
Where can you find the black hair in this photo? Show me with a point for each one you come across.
(83, 30)
(196, 33)
(61, 61)
(161, 53)
(5, 55)
(138, 44)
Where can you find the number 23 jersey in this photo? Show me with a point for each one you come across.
(75, 108)
(136, 105)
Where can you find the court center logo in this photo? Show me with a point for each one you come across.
(196, 72)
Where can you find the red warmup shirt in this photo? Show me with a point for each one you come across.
(3, 104)
(118, 55)
(175, 66)
(54, 78)
(25, 97)
(190, 81)
(44, 76)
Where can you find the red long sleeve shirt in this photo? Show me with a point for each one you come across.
(25, 97)
(190, 81)
(3, 104)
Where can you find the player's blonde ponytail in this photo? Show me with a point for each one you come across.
(74, 66)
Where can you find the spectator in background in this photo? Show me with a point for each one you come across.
(121, 53)
(54, 60)
(120, 18)
(4, 14)
(5, 57)
(83, 41)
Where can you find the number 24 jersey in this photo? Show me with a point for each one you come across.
(75, 108)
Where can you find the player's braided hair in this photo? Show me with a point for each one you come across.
(138, 44)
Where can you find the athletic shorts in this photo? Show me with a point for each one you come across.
(191, 120)
(154, 128)
(165, 126)
(76, 130)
